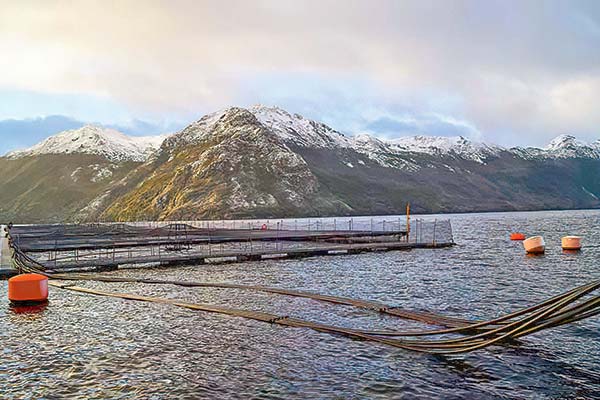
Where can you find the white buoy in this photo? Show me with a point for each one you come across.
(534, 245)
(571, 243)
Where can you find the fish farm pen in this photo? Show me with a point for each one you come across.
(56, 252)
(107, 246)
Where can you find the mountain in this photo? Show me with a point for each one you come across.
(108, 143)
(62, 177)
(297, 130)
(265, 162)
(225, 164)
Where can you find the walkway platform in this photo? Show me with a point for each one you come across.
(111, 263)
(108, 246)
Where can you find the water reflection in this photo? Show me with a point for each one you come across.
(32, 308)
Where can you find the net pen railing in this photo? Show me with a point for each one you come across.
(431, 232)
(392, 224)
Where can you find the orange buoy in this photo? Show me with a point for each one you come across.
(28, 288)
(517, 236)
(534, 245)
(571, 243)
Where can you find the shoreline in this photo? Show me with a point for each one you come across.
(316, 218)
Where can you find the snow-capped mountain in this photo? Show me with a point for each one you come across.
(266, 162)
(441, 145)
(225, 163)
(561, 147)
(565, 146)
(293, 129)
(296, 129)
(383, 152)
(109, 143)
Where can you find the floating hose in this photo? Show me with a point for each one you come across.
(425, 317)
(26, 263)
(556, 311)
(452, 346)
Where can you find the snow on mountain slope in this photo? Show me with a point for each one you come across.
(109, 143)
(563, 142)
(429, 144)
(565, 146)
(382, 152)
(441, 145)
(291, 129)
(562, 146)
(297, 129)
(307, 133)
(197, 131)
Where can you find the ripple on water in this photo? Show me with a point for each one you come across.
(82, 346)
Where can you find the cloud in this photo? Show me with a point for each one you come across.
(514, 71)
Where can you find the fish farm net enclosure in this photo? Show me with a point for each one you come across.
(106, 246)
(58, 251)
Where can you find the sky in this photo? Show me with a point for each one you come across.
(505, 72)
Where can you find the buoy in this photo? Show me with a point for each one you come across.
(263, 227)
(571, 243)
(534, 245)
(517, 236)
(28, 288)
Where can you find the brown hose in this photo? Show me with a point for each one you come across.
(553, 312)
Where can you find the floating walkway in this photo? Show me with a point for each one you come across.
(33, 240)
(102, 247)
(112, 260)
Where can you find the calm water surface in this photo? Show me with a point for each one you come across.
(85, 347)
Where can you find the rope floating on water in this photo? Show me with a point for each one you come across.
(553, 313)
(420, 316)
(28, 263)
(558, 310)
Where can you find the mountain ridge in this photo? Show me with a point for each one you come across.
(265, 162)
(91, 139)
(297, 130)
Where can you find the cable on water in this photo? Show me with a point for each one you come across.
(420, 316)
(558, 310)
